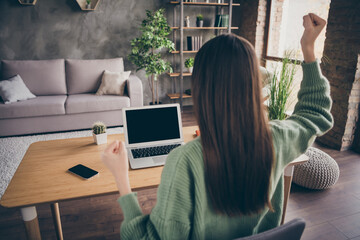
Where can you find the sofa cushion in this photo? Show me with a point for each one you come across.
(113, 83)
(39, 106)
(84, 76)
(14, 89)
(84, 103)
(45, 77)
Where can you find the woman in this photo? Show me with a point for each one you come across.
(228, 182)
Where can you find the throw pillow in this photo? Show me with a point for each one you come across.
(14, 89)
(113, 83)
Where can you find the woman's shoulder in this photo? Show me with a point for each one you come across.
(187, 154)
(182, 164)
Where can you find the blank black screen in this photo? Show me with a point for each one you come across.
(83, 171)
(155, 124)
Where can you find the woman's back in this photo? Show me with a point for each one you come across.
(184, 208)
(235, 134)
(209, 193)
(184, 201)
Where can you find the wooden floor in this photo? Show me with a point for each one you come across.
(330, 215)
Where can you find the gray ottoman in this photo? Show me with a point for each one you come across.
(320, 172)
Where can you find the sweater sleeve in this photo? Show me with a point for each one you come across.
(311, 117)
(172, 214)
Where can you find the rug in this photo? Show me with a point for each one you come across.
(13, 149)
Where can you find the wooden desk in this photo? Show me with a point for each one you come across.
(42, 177)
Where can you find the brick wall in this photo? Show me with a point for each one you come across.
(245, 17)
(275, 25)
(260, 29)
(250, 18)
(352, 132)
(342, 46)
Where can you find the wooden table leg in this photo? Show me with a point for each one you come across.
(57, 220)
(31, 222)
(288, 174)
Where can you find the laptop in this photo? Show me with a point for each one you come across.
(151, 132)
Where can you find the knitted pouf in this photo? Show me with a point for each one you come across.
(320, 172)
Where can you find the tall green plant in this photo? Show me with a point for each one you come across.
(281, 87)
(145, 52)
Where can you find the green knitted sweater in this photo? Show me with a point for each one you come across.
(183, 209)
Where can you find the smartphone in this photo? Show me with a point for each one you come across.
(82, 171)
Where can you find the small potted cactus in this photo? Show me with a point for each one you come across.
(99, 133)
(189, 64)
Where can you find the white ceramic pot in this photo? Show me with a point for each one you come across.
(200, 23)
(190, 69)
(100, 138)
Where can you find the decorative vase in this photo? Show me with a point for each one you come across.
(187, 21)
(190, 69)
(100, 138)
(200, 23)
(88, 6)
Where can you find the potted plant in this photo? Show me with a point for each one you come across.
(145, 52)
(189, 64)
(88, 4)
(280, 87)
(99, 133)
(199, 20)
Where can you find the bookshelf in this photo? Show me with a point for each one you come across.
(27, 2)
(177, 52)
(204, 28)
(178, 34)
(93, 5)
(204, 3)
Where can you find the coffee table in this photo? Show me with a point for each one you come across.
(42, 177)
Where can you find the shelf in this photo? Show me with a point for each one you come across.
(173, 96)
(179, 7)
(205, 4)
(203, 28)
(185, 74)
(177, 52)
(82, 5)
(23, 2)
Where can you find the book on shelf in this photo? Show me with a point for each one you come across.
(221, 20)
(194, 43)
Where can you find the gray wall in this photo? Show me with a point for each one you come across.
(59, 29)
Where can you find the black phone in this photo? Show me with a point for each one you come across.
(82, 171)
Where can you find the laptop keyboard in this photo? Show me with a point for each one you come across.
(153, 151)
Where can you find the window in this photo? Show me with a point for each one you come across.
(285, 31)
(286, 27)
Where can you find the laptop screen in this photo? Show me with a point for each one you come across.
(154, 124)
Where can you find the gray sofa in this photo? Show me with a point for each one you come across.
(65, 96)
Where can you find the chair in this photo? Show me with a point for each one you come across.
(288, 231)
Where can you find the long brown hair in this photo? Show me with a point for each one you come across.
(235, 136)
